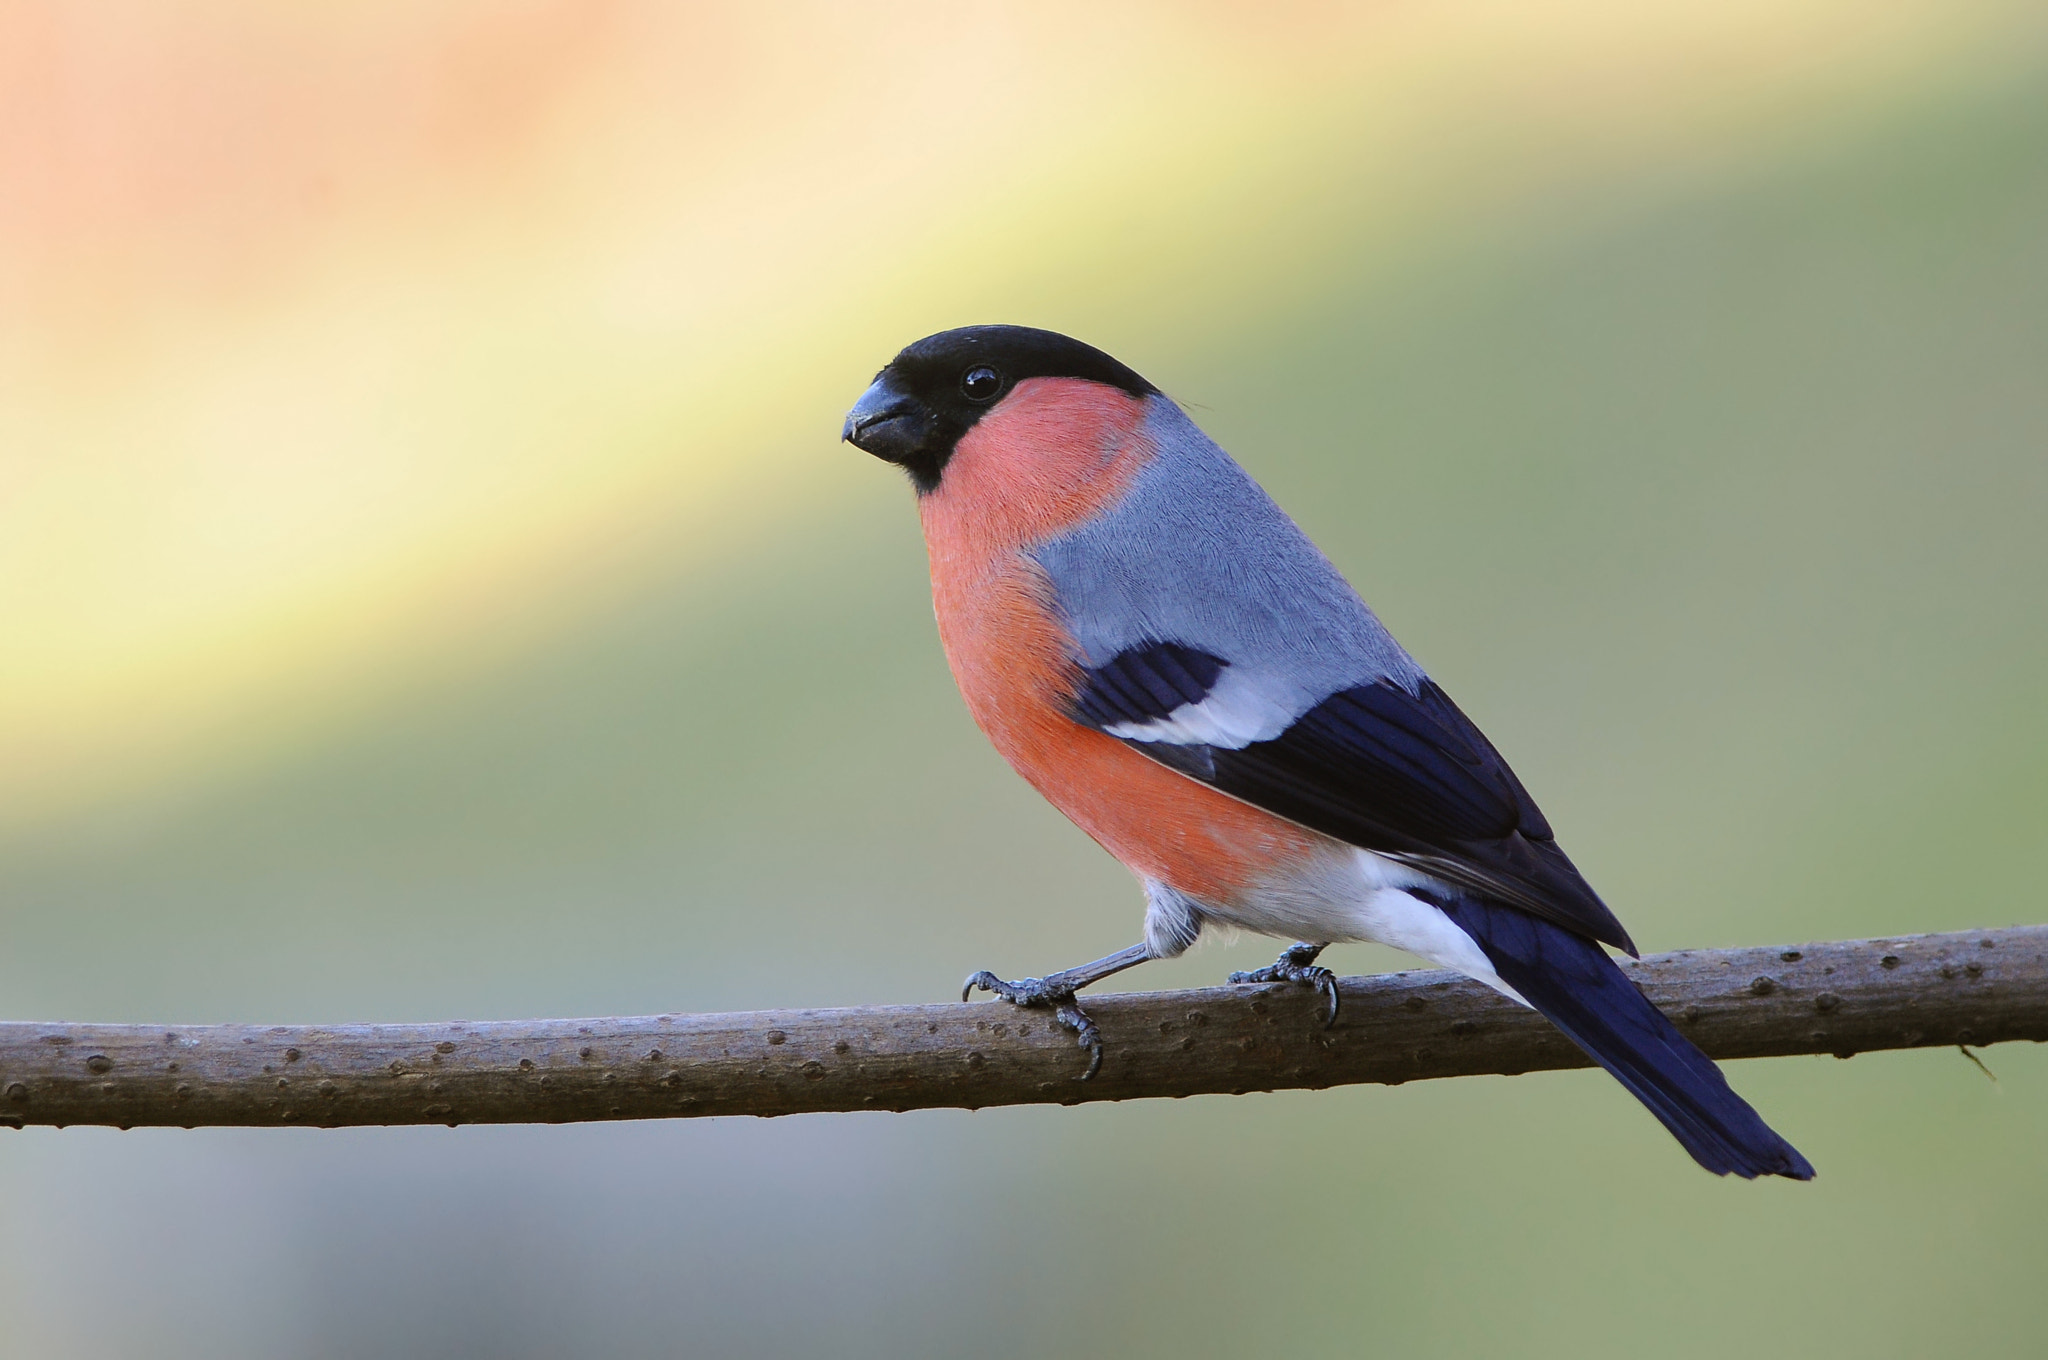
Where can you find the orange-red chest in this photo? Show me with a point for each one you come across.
(1055, 453)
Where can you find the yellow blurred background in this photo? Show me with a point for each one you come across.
(430, 587)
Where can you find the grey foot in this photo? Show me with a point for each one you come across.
(1297, 963)
(1056, 992)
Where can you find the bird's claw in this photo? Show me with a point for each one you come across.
(1297, 964)
(1046, 992)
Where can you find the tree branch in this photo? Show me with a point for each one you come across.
(1978, 987)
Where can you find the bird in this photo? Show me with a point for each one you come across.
(1158, 649)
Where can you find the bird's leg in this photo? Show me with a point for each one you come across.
(1297, 963)
(1057, 991)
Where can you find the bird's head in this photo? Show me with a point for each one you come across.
(923, 404)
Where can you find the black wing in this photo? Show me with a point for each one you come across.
(1405, 775)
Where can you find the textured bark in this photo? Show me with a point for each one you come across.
(1977, 987)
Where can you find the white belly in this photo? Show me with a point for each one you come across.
(1352, 894)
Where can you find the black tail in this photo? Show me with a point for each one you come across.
(1583, 992)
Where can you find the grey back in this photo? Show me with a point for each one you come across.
(1197, 553)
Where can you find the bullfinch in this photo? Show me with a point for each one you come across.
(1152, 643)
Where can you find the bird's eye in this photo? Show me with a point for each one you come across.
(981, 382)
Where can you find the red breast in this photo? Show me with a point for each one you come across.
(1055, 453)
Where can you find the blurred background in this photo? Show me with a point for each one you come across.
(431, 587)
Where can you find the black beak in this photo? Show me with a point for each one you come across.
(888, 423)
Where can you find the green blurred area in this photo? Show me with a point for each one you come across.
(1723, 508)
